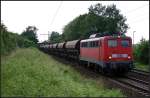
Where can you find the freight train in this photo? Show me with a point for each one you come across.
(107, 54)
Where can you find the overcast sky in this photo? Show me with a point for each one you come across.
(17, 15)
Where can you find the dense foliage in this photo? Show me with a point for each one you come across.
(141, 51)
(10, 40)
(99, 19)
(30, 33)
(55, 37)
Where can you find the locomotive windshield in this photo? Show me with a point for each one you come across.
(112, 43)
(125, 43)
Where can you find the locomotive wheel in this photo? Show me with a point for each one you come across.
(80, 63)
(99, 69)
(83, 63)
(88, 65)
(102, 70)
(96, 68)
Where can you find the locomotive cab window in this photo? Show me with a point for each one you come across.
(93, 44)
(112, 43)
(125, 43)
(100, 43)
(84, 44)
(96, 44)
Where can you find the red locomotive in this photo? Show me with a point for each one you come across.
(109, 54)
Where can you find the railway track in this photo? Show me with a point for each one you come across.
(141, 72)
(135, 79)
(135, 83)
(138, 86)
(139, 80)
(139, 75)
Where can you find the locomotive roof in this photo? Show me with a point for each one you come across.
(95, 39)
(92, 39)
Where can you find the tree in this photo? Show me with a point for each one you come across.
(55, 37)
(11, 41)
(3, 28)
(115, 21)
(30, 33)
(99, 19)
(141, 51)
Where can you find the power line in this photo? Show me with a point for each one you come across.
(141, 13)
(43, 34)
(56, 13)
(137, 19)
(140, 20)
(48, 34)
(136, 8)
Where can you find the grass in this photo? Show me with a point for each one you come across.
(141, 66)
(29, 72)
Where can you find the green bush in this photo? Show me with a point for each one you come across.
(11, 41)
(141, 51)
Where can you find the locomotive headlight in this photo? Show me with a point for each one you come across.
(129, 57)
(109, 57)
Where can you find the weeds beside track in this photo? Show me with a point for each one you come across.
(130, 85)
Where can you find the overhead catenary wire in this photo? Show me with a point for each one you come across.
(137, 19)
(55, 16)
(136, 8)
(56, 13)
(138, 14)
(133, 10)
(48, 34)
(62, 2)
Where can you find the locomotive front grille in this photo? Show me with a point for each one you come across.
(118, 65)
